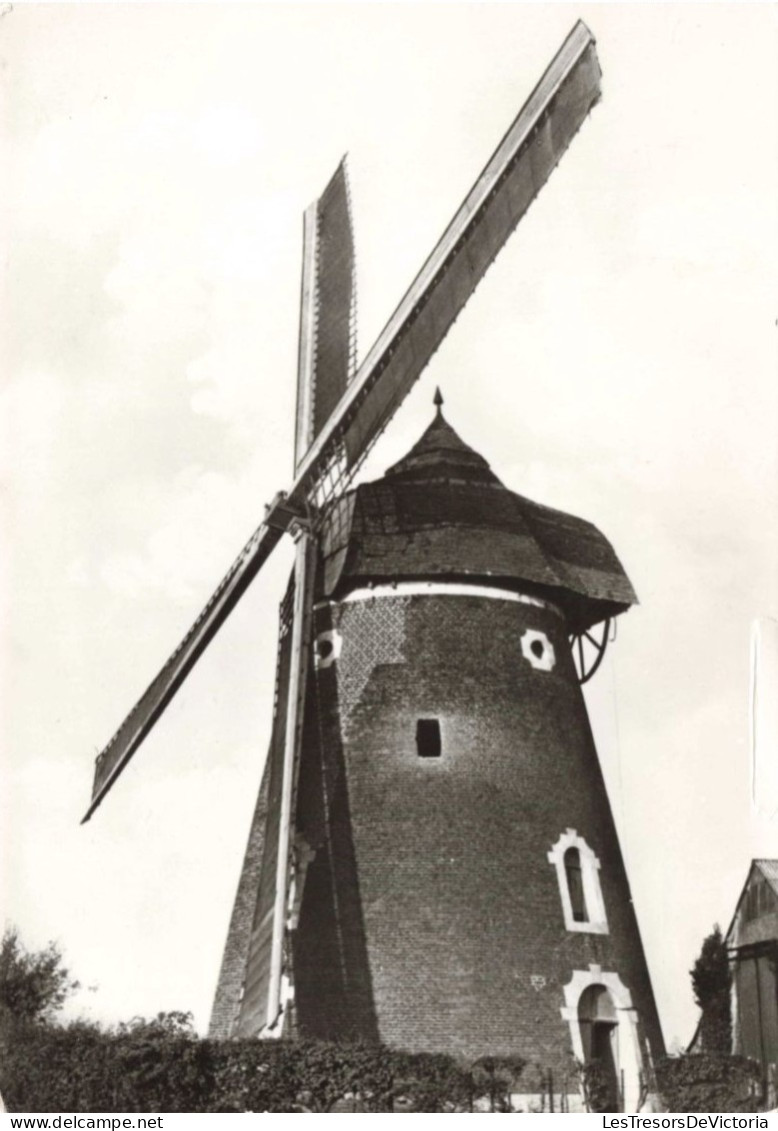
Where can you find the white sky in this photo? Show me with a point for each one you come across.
(619, 362)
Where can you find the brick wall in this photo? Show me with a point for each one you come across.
(431, 917)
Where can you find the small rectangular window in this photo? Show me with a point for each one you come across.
(428, 738)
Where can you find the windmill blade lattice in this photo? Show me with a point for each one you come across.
(509, 183)
(117, 753)
(327, 352)
(502, 194)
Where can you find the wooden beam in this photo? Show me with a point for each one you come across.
(300, 658)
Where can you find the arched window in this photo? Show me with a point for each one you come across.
(577, 872)
(574, 877)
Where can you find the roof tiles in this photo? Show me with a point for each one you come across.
(441, 512)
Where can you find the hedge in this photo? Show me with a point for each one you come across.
(709, 1083)
(138, 1068)
(159, 1067)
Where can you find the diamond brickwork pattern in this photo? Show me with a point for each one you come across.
(373, 633)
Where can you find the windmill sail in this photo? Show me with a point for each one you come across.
(115, 756)
(229, 985)
(261, 1003)
(513, 177)
(256, 986)
(502, 194)
(327, 310)
(326, 363)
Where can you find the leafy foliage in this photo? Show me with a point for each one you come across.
(598, 1088)
(494, 1078)
(710, 1082)
(33, 986)
(320, 1076)
(156, 1065)
(711, 982)
(160, 1065)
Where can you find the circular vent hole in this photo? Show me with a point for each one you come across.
(537, 648)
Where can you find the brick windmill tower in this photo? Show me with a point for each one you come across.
(432, 860)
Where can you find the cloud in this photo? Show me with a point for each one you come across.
(32, 405)
(186, 552)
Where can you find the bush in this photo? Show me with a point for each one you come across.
(45, 1068)
(33, 985)
(710, 1083)
(160, 1065)
(143, 1066)
(320, 1076)
(598, 1088)
(711, 982)
(289, 1076)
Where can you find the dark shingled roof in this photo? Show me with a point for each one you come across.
(441, 512)
(441, 453)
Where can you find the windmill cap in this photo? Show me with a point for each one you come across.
(441, 452)
(441, 513)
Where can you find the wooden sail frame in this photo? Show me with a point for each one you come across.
(325, 462)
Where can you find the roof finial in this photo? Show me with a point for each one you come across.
(437, 400)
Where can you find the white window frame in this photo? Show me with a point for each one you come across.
(335, 640)
(545, 662)
(596, 922)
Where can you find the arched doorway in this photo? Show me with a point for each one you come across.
(619, 1023)
(598, 1024)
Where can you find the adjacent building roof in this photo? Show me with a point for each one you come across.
(769, 869)
(441, 512)
(759, 869)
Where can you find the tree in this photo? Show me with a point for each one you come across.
(711, 982)
(33, 985)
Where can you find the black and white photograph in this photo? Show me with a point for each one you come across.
(389, 558)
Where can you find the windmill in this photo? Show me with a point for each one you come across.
(294, 899)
